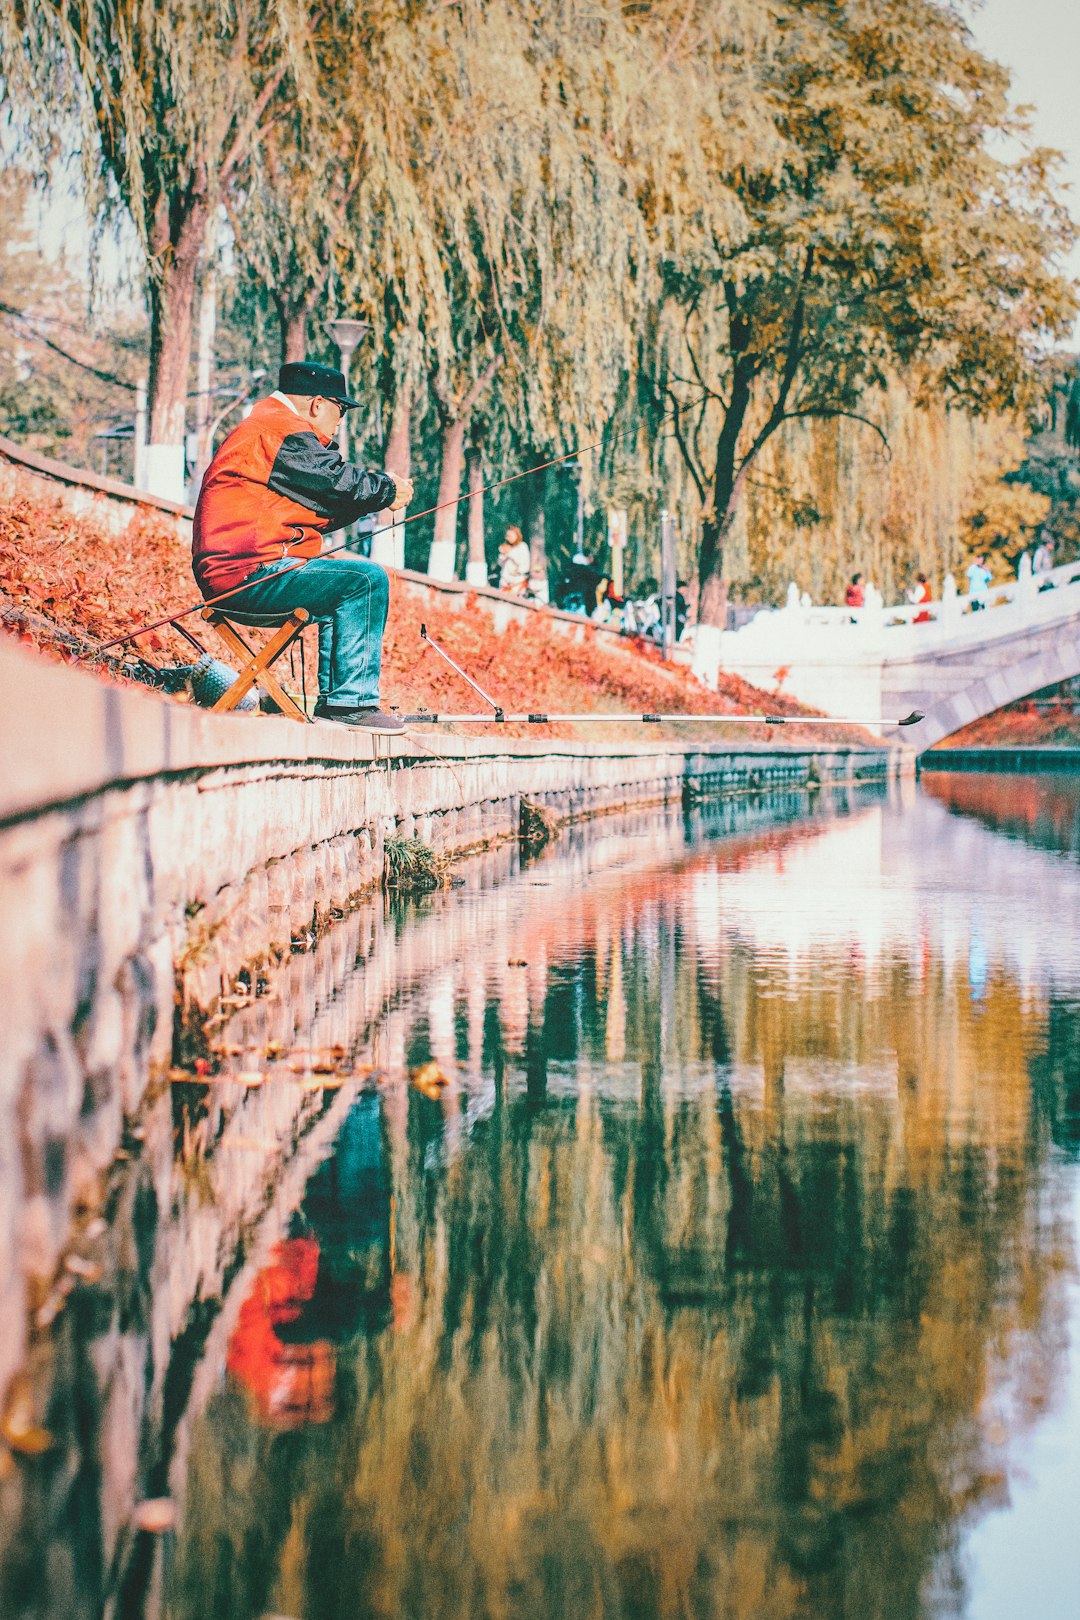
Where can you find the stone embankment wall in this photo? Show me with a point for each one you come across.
(149, 852)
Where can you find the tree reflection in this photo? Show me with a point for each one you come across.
(688, 1301)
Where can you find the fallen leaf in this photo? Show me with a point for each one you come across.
(429, 1079)
(86, 1270)
(18, 1426)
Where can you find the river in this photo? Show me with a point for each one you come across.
(703, 1242)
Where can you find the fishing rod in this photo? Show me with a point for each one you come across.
(499, 717)
(388, 528)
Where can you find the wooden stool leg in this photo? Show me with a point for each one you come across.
(257, 664)
(285, 703)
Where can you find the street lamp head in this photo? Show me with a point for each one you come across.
(346, 334)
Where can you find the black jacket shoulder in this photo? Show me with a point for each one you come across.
(317, 476)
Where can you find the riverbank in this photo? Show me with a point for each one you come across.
(1049, 721)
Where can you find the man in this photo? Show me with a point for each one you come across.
(577, 586)
(275, 487)
(978, 578)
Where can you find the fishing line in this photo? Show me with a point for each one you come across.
(414, 517)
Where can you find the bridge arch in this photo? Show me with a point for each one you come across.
(1052, 659)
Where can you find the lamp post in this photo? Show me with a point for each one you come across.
(347, 334)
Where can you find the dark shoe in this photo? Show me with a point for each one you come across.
(369, 719)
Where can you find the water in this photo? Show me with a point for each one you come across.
(732, 1272)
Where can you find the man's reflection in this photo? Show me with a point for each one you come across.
(322, 1285)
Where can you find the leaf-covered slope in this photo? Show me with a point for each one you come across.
(65, 583)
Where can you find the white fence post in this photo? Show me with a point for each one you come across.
(950, 604)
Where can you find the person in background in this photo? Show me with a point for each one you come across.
(918, 595)
(577, 586)
(1042, 563)
(514, 562)
(602, 612)
(978, 578)
(855, 595)
(682, 608)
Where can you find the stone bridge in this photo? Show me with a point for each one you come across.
(955, 664)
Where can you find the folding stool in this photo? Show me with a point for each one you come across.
(256, 664)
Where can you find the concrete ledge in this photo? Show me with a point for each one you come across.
(66, 735)
(1023, 758)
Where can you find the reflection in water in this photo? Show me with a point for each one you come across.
(702, 1289)
(720, 1280)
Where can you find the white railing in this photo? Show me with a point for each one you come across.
(1003, 610)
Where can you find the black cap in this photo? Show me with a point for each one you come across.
(308, 377)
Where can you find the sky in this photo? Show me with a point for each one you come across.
(1039, 42)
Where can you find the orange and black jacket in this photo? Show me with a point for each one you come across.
(273, 490)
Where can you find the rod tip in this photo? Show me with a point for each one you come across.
(423, 632)
(913, 718)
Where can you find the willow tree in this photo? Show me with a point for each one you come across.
(535, 226)
(872, 229)
(174, 96)
(334, 201)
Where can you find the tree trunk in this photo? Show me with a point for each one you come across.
(388, 542)
(455, 420)
(294, 332)
(204, 366)
(172, 304)
(399, 443)
(476, 567)
(294, 316)
(726, 488)
(712, 593)
(715, 528)
(444, 543)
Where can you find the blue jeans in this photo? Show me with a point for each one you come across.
(347, 597)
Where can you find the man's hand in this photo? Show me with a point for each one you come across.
(403, 492)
